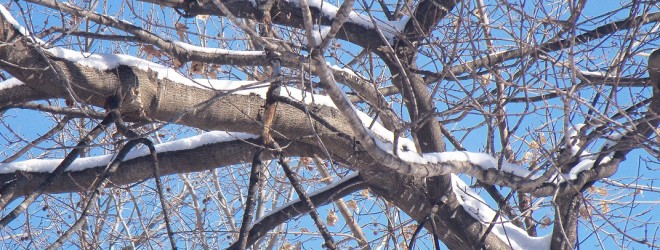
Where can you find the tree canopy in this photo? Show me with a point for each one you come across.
(355, 124)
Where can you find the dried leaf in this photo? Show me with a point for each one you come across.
(305, 161)
(177, 64)
(542, 138)
(365, 193)
(212, 74)
(151, 51)
(409, 230)
(181, 30)
(203, 17)
(353, 205)
(286, 246)
(545, 222)
(605, 207)
(534, 145)
(585, 213)
(598, 190)
(528, 156)
(197, 68)
(331, 219)
(326, 179)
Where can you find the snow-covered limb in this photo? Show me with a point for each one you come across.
(406, 160)
(10, 83)
(329, 11)
(48, 165)
(183, 51)
(506, 231)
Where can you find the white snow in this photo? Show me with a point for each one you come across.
(389, 29)
(319, 32)
(48, 165)
(13, 21)
(593, 73)
(191, 47)
(587, 159)
(506, 231)
(103, 61)
(345, 70)
(483, 160)
(573, 133)
(10, 83)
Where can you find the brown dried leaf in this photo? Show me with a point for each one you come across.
(203, 17)
(585, 213)
(181, 30)
(353, 205)
(534, 145)
(286, 246)
(409, 230)
(197, 68)
(177, 64)
(305, 161)
(527, 157)
(326, 179)
(212, 74)
(332, 218)
(365, 193)
(598, 190)
(151, 51)
(542, 139)
(605, 207)
(545, 222)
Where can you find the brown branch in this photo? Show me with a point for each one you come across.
(339, 20)
(295, 182)
(263, 225)
(256, 174)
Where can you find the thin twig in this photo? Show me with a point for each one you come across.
(255, 176)
(61, 168)
(100, 185)
(295, 182)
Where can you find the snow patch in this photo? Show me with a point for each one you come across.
(389, 29)
(506, 231)
(10, 83)
(319, 32)
(191, 47)
(483, 160)
(48, 165)
(13, 21)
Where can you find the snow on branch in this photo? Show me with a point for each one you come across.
(48, 165)
(170, 45)
(505, 230)
(10, 83)
(383, 140)
(389, 28)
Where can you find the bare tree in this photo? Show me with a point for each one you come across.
(218, 124)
